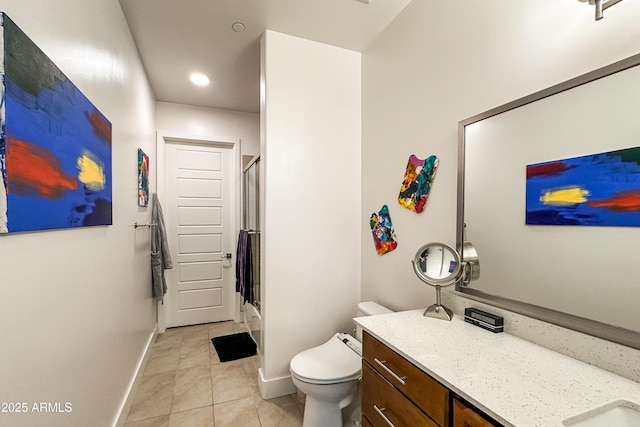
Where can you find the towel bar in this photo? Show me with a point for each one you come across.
(136, 225)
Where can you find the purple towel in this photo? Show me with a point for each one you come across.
(244, 267)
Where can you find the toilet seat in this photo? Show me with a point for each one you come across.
(329, 363)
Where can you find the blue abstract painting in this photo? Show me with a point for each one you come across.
(597, 190)
(55, 146)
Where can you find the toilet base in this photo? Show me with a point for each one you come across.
(321, 414)
(352, 414)
(324, 403)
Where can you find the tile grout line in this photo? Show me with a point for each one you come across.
(175, 342)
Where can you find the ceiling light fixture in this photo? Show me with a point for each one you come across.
(199, 79)
(601, 6)
(238, 27)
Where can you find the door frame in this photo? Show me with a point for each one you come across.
(162, 138)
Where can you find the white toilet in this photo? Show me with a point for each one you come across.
(329, 373)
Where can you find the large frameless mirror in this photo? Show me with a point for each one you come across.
(575, 270)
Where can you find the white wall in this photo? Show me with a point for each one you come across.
(310, 167)
(75, 305)
(442, 62)
(179, 119)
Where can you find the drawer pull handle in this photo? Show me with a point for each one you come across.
(380, 412)
(382, 363)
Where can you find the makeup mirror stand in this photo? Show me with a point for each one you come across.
(438, 310)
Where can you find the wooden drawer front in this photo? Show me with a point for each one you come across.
(464, 416)
(365, 422)
(380, 399)
(424, 391)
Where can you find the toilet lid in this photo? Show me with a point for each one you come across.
(330, 362)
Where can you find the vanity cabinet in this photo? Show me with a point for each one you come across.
(384, 405)
(397, 393)
(465, 416)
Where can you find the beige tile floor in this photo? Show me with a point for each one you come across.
(186, 385)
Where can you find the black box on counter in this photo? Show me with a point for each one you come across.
(485, 320)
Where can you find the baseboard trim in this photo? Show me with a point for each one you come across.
(125, 407)
(275, 387)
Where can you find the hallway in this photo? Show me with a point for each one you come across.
(184, 384)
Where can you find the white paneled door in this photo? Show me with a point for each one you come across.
(199, 219)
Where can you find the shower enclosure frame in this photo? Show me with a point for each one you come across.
(251, 222)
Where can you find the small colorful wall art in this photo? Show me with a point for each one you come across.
(55, 148)
(383, 235)
(599, 190)
(417, 182)
(143, 178)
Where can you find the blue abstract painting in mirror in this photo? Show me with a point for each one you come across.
(55, 147)
(598, 190)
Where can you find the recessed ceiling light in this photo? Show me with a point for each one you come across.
(238, 27)
(199, 79)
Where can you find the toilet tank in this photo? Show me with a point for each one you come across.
(369, 308)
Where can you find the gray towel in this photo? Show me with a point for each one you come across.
(160, 256)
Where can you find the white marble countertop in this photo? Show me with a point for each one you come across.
(516, 382)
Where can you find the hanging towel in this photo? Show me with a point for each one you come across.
(160, 256)
(244, 267)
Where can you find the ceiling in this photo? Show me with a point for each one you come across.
(178, 37)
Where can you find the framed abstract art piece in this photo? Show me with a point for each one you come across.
(143, 178)
(384, 237)
(417, 182)
(598, 190)
(55, 148)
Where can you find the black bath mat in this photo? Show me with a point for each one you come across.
(233, 347)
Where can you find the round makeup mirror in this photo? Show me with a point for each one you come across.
(438, 265)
